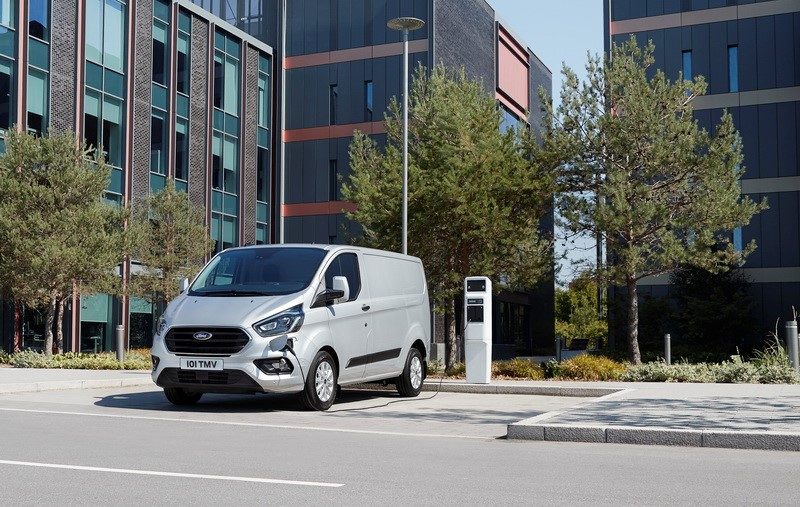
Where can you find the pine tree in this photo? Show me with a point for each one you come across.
(167, 235)
(56, 232)
(475, 199)
(638, 171)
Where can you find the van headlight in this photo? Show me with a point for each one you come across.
(285, 322)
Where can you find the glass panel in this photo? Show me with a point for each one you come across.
(687, 65)
(7, 42)
(159, 94)
(184, 21)
(215, 231)
(160, 53)
(114, 35)
(368, 94)
(91, 118)
(263, 138)
(261, 234)
(157, 182)
(181, 186)
(738, 244)
(229, 164)
(216, 201)
(263, 64)
(181, 149)
(228, 232)
(333, 98)
(115, 183)
(158, 142)
(94, 37)
(231, 125)
(232, 46)
(182, 106)
(219, 120)
(216, 161)
(112, 130)
(262, 184)
(114, 83)
(7, 13)
(733, 68)
(219, 41)
(219, 79)
(6, 93)
(183, 63)
(94, 75)
(261, 212)
(39, 54)
(231, 86)
(39, 19)
(231, 204)
(161, 10)
(37, 92)
(263, 100)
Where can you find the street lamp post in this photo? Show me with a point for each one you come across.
(405, 25)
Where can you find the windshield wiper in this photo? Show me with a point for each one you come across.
(232, 292)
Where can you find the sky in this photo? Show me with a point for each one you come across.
(559, 31)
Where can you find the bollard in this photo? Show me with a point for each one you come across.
(558, 348)
(791, 344)
(667, 349)
(120, 343)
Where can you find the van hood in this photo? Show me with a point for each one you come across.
(226, 311)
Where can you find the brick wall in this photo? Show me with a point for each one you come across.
(248, 139)
(62, 65)
(142, 77)
(198, 112)
(464, 35)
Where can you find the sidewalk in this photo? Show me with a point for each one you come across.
(748, 416)
(20, 380)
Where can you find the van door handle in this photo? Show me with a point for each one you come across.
(365, 308)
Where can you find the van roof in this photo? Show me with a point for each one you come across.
(333, 248)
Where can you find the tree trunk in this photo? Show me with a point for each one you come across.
(450, 349)
(17, 327)
(633, 323)
(48, 327)
(60, 326)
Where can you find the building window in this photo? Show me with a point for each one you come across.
(160, 50)
(38, 86)
(368, 100)
(333, 102)
(733, 68)
(105, 89)
(39, 19)
(263, 141)
(738, 243)
(333, 180)
(158, 142)
(181, 149)
(7, 13)
(7, 66)
(183, 63)
(686, 59)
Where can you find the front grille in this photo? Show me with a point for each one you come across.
(211, 381)
(223, 341)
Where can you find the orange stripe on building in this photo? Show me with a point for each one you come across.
(353, 54)
(316, 208)
(332, 131)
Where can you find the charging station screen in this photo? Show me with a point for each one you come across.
(476, 286)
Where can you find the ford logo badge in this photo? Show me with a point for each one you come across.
(202, 336)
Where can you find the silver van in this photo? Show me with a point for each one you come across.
(295, 319)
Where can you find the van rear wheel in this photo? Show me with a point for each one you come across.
(321, 384)
(180, 396)
(409, 383)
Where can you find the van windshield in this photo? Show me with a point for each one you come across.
(258, 272)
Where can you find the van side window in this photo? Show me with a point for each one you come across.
(345, 265)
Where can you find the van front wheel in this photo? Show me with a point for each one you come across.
(409, 383)
(180, 396)
(321, 384)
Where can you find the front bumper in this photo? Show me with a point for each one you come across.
(239, 374)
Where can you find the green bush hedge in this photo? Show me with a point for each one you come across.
(518, 369)
(134, 360)
(587, 367)
(729, 372)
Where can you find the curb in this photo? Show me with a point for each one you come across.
(60, 385)
(727, 439)
(576, 392)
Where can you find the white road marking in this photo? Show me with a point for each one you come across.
(255, 425)
(170, 474)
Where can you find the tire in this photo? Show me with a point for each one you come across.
(409, 383)
(180, 396)
(321, 383)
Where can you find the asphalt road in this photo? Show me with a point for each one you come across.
(128, 446)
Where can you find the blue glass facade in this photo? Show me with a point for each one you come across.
(749, 58)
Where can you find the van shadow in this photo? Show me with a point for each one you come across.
(233, 403)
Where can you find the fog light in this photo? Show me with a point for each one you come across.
(155, 361)
(274, 366)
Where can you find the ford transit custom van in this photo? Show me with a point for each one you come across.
(295, 319)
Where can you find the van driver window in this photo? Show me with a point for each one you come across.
(345, 265)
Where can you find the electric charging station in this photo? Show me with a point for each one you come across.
(478, 329)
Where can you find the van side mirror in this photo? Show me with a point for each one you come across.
(326, 297)
(184, 285)
(340, 283)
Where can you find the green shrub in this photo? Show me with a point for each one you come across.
(735, 372)
(517, 368)
(662, 372)
(5, 357)
(773, 354)
(457, 370)
(726, 372)
(136, 360)
(552, 369)
(777, 374)
(435, 367)
(588, 367)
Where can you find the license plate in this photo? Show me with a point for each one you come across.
(200, 363)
